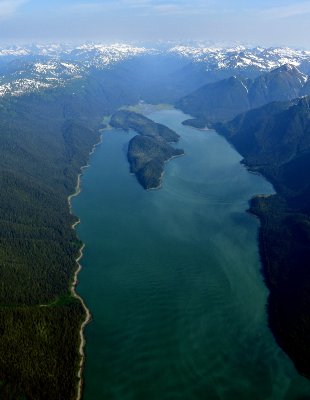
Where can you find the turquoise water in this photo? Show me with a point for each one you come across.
(172, 278)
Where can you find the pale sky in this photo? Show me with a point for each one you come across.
(263, 22)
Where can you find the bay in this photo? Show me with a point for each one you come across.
(172, 278)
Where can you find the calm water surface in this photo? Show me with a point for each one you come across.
(172, 278)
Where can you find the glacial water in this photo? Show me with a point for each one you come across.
(172, 278)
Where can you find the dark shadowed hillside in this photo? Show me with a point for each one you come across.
(275, 141)
(223, 100)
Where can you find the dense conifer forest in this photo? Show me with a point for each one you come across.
(45, 139)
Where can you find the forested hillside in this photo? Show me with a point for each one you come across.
(275, 141)
(225, 99)
(45, 138)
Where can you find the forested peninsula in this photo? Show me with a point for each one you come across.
(148, 151)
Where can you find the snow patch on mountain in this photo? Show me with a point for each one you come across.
(22, 86)
(33, 67)
(60, 64)
(240, 57)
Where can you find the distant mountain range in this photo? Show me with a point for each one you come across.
(29, 69)
(25, 69)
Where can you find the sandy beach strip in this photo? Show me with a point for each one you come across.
(75, 282)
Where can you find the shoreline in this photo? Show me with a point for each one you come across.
(273, 223)
(163, 173)
(74, 284)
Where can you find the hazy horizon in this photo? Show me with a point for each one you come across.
(156, 45)
(265, 23)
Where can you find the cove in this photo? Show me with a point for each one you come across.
(172, 278)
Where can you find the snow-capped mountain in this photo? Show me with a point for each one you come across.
(22, 76)
(100, 56)
(25, 69)
(28, 69)
(241, 57)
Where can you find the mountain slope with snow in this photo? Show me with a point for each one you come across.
(240, 57)
(25, 69)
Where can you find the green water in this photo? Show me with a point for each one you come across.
(172, 278)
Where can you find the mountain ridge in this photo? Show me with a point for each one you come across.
(224, 100)
(46, 67)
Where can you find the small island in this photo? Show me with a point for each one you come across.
(148, 151)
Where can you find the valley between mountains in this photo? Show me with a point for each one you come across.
(53, 100)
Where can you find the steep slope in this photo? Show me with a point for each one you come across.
(224, 100)
(217, 101)
(275, 141)
(274, 134)
(283, 83)
(306, 89)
